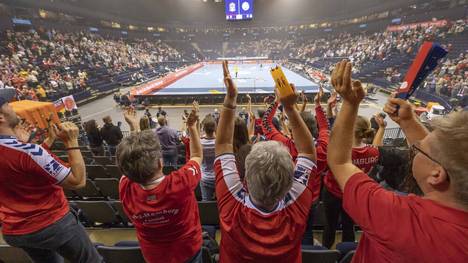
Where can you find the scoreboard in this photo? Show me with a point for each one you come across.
(239, 9)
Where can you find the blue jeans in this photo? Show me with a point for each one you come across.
(65, 238)
(207, 190)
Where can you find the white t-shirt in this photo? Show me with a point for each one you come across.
(208, 173)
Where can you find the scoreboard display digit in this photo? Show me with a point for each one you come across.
(239, 9)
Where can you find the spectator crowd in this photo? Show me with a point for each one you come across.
(264, 170)
(42, 64)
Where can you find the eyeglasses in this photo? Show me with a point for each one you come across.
(415, 149)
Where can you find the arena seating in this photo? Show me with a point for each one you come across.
(325, 256)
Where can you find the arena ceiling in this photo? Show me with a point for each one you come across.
(212, 11)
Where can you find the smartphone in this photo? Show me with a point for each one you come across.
(285, 89)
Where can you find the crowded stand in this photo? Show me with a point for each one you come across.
(356, 171)
(49, 65)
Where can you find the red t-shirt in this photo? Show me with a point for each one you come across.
(30, 195)
(166, 218)
(321, 144)
(251, 235)
(364, 158)
(404, 228)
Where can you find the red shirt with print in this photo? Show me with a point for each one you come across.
(321, 143)
(31, 197)
(166, 217)
(363, 157)
(404, 228)
(248, 234)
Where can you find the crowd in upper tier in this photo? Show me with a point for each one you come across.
(47, 63)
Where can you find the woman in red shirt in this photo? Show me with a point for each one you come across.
(163, 209)
(365, 157)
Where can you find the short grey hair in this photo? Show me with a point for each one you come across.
(138, 156)
(269, 172)
(449, 149)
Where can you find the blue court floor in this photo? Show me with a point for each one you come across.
(251, 78)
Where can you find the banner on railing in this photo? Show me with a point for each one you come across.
(163, 82)
(65, 104)
(437, 23)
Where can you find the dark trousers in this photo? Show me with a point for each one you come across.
(112, 150)
(333, 210)
(65, 238)
(97, 150)
(197, 258)
(170, 157)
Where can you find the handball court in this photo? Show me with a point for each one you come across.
(251, 78)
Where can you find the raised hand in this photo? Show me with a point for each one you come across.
(22, 131)
(130, 117)
(68, 132)
(196, 106)
(351, 91)
(249, 99)
(319, 95)
(380, 121)
(192, 119)
(303, 96)
(231, 89)
(332, 100)
(290, 100)
(399, 110)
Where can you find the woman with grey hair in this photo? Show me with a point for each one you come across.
(163, 209)
(267, 222)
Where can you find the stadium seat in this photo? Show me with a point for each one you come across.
(118, 207)
(121, 254)
(96, 171)
(10, 254)
(113, 171)
(87, 154)
(208, 212)
(348, 257)
(104, 160)
(127, 243)
(90, 191)
(346, 247)
(109, 187)
(98, 212)
(322, 256)
(69, 194)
